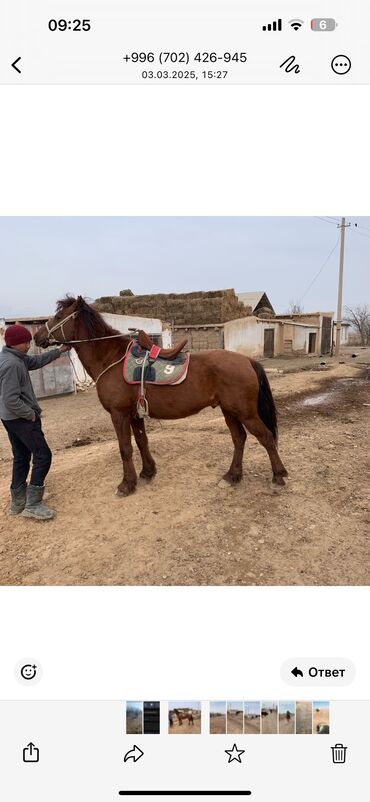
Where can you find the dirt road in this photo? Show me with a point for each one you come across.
(269, 723)
(304, 718)
(217, 724)
(320, 716)
(252, 726)
(183, 527)
(234, 722)
(286, 726)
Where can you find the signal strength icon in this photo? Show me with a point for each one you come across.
(296, 24)
(277, 25)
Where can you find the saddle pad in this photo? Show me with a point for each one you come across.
(157, 371)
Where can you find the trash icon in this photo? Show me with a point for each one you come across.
(339, 753)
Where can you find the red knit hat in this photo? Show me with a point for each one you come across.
(16, 335)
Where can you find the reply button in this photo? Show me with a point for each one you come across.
(318, 671)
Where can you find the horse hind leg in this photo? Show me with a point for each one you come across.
(149, 467)
(256, 427)
(238, 434)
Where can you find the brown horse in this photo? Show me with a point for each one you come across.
(215, 378)
(182, 715)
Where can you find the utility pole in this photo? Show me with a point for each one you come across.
(342, 227)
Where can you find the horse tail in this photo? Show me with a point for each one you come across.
(266, 405)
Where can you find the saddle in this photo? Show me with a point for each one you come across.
(161, 353)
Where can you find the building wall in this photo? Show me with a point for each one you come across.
(54, 379)
(344, 334)
(200, 338)
(247, 337)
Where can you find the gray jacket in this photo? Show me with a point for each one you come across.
(17, 397)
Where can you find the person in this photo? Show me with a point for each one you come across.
(20, 415)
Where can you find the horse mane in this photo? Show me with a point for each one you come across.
(94, 323)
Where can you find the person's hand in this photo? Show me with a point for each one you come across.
(64, 348)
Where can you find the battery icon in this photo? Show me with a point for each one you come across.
(323, 24)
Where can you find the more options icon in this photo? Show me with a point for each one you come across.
(341, 65)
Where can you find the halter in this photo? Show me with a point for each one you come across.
(72, 316)
(60, 326)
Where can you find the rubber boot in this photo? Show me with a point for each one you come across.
(18, 499)
(34, 507)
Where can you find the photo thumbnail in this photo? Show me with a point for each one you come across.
(184, 718)
(196, 386)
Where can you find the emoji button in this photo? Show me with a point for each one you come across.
(28, 671)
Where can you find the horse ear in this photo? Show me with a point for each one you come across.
(80, 301)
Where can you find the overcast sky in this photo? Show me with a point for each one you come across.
(43, 258)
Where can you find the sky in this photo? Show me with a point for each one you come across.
(252, 708)
(43, 258)
(217, 707)
(284, 707)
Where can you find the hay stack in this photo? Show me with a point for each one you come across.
(184, 309)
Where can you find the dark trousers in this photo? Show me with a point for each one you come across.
(28, 440)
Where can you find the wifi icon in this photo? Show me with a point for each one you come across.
(296, 24)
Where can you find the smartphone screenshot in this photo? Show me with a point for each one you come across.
(184, 400)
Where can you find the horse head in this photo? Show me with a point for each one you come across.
(62, 328)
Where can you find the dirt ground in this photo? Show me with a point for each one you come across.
(304, 718)
(185, 728)
(234, 723)
(187, 528)
(217, 724)
(252, 726)
(134, 723)
(286, 727)
(269, 723)
(320, 716)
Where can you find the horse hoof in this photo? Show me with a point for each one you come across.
(278, 480)
(225, 485)
(148, 476)
(125, 490)
(232, 478)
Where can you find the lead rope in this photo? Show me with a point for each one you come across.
(114, 363)
(84, 385)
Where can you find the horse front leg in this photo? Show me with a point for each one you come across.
(149, 467)
(121, 424)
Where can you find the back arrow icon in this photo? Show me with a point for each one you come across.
(134, 754)
(297, 672)
(14, 64)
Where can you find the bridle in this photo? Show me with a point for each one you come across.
(51, 340)
(72, 316)
(60, 325)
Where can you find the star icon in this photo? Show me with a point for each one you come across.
(235, 754)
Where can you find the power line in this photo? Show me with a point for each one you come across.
(360, 234)
(324, 220)
(365, 228)
(321, 269)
